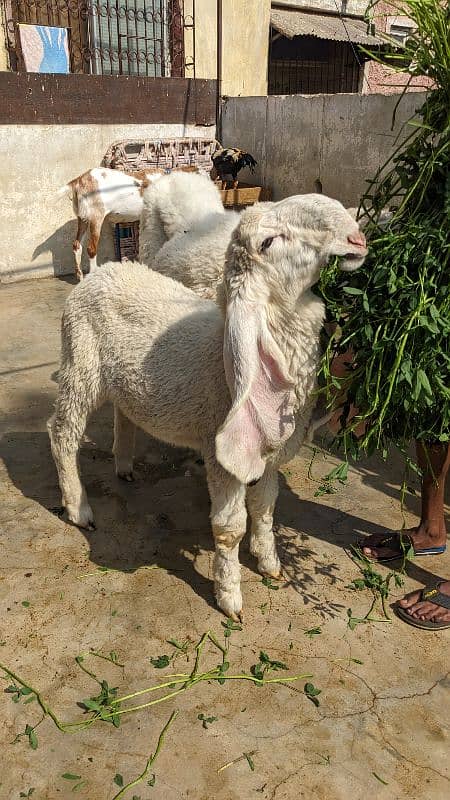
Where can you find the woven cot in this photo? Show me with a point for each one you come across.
(131, 155)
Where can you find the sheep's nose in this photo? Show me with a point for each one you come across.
(357, 238)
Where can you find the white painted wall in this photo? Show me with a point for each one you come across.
(36, 226)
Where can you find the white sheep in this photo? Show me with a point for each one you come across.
(102, 193)
(235, 384)
(197, 258)
(181, 201)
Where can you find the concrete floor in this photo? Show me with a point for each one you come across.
(387, 716)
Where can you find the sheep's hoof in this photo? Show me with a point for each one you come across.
(126, 476)
(276, 575)
(230, 603)
(82, 517)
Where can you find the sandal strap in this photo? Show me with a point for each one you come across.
(397, 542)
(433, 595)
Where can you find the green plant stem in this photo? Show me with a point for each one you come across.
(150, 761)
(208, 676)
(186, 681)
(64, 727)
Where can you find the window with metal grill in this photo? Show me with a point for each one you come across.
(114, 37)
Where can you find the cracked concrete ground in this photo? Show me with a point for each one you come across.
(387, 716)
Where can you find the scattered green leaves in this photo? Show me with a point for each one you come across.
(107, 706)
(118, 779)
(104, 704)
(206, 721)
(313, 632)
(338, 474)
(265, 665)
(312, 693)
(160, 662)
(378, 584)
(268, 582)
(230, 626)
(27, 794)
(17, 692)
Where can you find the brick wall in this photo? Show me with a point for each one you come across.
(383, 80)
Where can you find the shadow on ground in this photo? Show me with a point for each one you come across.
(163, 516)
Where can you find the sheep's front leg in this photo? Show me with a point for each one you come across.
(123, 448)
(261, 499)
(228, 520)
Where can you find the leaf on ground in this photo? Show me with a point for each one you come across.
(206, 720)
(32, 738)
(269, 583)
(160, 661)
(79, 786)
(118, 779)
(312, 693)
(250, 761)
(69, 776)
(313, 632)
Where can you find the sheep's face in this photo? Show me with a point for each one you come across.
(275, 254)
(289, 242)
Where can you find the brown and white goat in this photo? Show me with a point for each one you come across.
(101, 193)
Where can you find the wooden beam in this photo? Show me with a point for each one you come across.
(30, 98)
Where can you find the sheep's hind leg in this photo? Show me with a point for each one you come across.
(95, 227)
(77, 247)
(123, 449)
(261, 499)
(66, 428)
(228, 520)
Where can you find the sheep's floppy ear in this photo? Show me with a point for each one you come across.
(261, 417)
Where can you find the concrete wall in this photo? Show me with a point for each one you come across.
(36, 226)
(245, 44)
(338, 139)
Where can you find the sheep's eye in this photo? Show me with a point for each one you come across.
(266, 243)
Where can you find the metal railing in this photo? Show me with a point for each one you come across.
(312, 66)
(144, 38)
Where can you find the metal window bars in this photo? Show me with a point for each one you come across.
(144, 38)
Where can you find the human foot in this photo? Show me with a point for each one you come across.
(423, 538)
(431, 605)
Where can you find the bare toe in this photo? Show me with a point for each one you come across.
(410, 599)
